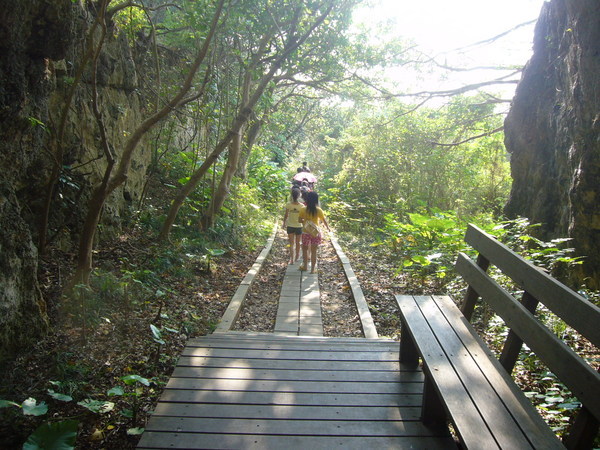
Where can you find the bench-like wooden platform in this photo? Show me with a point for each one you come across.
(466, 384)
(263, 391)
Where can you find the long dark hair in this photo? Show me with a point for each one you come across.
(312, 201)
(295, 194)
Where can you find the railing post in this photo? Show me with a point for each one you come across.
(471, 296)
(513, 343)
(584, 430)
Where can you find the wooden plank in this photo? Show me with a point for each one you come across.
(235, 305)
(410, 410)
(296, 345)
(362, 387)
(583, 432)
(287, 398)
(341, 387)
(287, 427)
(471, 428)
(234, 336)
(158, 440)
(486, 399)
(521, 408)
(389, 376)
(564, 302)
(409, 354)
(366, 320)
(275, 364)
(244, 373)
(573, 371)
(326, 355)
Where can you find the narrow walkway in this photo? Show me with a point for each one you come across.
(294, 388)
(299, 310)
(249, 391)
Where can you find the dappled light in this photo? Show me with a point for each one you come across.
(299, 224)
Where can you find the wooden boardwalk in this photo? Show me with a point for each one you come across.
(299, 309)
(293, 388)
(236, 390)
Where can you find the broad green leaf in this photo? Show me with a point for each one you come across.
(135, 431)
(132, 379)
(117, 390)
(157, 334)
(54, 436)
(6, 403)
(97, 406)
(31, 408)
(59, 396)
(127, 413)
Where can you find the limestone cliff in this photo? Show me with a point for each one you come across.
(40, 45)
(553, 131)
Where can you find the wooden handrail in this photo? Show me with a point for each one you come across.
(571, 307)
(573, 371)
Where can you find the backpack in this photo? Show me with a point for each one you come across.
(311, 228)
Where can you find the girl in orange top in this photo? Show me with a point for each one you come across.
(312, 213)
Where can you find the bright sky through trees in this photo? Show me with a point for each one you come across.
(445, 29)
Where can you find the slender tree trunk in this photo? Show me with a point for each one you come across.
(100, 194)
(251, 136)
(222, 191)
(242, 118)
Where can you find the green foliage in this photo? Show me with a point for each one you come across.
(388, 160)
(53, 436)
(427, 245)
(97, 406)
(267, 179)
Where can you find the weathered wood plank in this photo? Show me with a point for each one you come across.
(253, 363)
(157, 440)
(298, 374)
(287, 427)
(287, 398)
(366, 320)
(273, 344)
(362, 387)
(469, 425)
(564, 302)
(521, 408)
(409, 410)
(487, 398)
(298, 355)
(254, 336)
(574, 372)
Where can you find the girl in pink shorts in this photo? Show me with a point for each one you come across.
(309, 217)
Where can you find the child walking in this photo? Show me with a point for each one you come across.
(294, 227)
(311, 217)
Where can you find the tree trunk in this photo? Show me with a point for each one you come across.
(208, 220)
(99, 196)
(242, 118)
(251, 136)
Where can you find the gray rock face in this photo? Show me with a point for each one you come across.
(553, 131)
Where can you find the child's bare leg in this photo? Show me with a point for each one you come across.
(313, 258)
(291, 241)
(304, 257)
(298, 245)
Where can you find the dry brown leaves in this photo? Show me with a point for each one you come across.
(340, 317)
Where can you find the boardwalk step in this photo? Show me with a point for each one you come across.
(244, 390)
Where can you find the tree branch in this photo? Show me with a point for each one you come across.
(454, 144)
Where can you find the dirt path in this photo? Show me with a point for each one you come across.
(340, 317)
